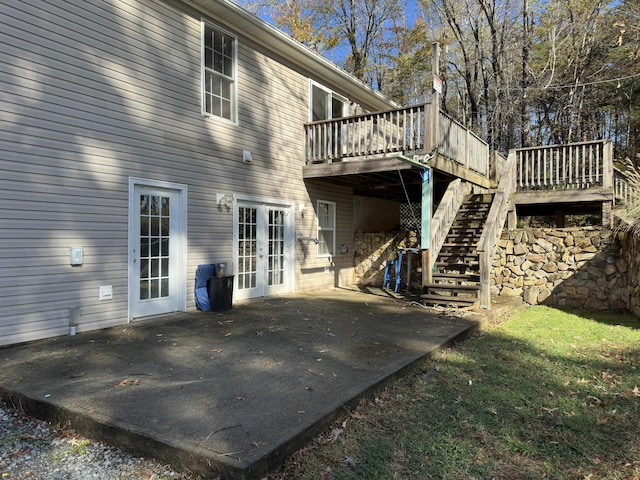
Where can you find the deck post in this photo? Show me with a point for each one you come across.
(425, 237)
(435, 98)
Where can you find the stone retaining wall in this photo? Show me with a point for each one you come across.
(631, 251)
(571, 267)
(372, 250)
(581, 267)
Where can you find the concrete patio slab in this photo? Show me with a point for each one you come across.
(231, 393)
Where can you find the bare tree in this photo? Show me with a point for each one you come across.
(361, 28)
(519, 73)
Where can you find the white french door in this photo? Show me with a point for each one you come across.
(156, 245)
(264, 249)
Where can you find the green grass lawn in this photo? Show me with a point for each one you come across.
(543, 393)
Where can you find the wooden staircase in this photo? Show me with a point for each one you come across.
(456, 277)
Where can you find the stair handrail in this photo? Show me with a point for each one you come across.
(625, 187)
(445, 215)
(494, 224)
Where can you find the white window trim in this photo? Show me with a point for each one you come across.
(333, 94)
(332, 228)
(234, 103)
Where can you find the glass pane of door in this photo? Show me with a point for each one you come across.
(247, 247)
(275, 267)
(154, 246)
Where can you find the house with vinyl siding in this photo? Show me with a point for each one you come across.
(142, 138)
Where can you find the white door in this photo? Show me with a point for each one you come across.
(264, 249)
(156, 241)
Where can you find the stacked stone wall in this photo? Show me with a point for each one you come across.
(372, 250)
(631, 252)
(579, 267)
(583, 267)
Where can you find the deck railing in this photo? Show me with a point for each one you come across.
(572, 166)
(401, 130)
(462, 145)
(405, 130)
(625, 189)
(494, 225)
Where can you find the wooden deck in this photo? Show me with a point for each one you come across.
(578, 176)
(373, 143)
(577, 172)
(369, 153)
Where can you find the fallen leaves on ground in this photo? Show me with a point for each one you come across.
(335, 433)
(128, 381)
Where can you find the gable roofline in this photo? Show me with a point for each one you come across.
(285, 46)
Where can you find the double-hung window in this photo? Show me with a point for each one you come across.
(326, 228)
(219, 51)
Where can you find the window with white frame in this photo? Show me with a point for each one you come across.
(219, 52)
(326, 228)
(325, 104)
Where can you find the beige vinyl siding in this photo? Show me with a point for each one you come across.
(94, 92)
(325, 273)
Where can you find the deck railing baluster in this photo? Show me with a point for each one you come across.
(573, 166)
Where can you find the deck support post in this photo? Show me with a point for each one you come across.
(425, 236)
(426, 174)
(435, 97)
(607, 216)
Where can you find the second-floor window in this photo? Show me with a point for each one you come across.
(325, 104)
(218, 73)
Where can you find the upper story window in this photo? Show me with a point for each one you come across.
(326, 228)
(219, 51)
(325, 104)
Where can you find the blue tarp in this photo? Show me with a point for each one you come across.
(203, 273)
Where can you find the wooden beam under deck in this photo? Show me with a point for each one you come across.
(354, 167)
(562, 196)
(438, 163)
(455, 169)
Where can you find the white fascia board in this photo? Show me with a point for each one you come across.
(285, 46)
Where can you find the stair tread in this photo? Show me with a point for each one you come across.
(460, 253)
(454, 276)
(458, 264)
(450, 286)
(447, 300)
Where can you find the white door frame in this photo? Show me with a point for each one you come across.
(181, 212)
(289, 238)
